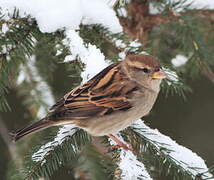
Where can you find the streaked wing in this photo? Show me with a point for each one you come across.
(82, 88)
(104, 94)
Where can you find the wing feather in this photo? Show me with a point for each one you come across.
(104, 94)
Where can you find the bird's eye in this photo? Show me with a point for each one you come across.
(146, 70)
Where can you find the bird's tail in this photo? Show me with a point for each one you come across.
(34, 127)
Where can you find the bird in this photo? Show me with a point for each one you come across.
(109, 102)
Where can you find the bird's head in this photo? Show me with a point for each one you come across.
(145, 69)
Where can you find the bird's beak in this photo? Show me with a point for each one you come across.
(159, 75)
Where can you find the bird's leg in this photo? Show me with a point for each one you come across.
(120, 144)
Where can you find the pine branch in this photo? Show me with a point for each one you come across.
(70, 148)
(174, 85)
(16, 43)
(166, 155)
(63, 150)
(128, 165)
(117, 44)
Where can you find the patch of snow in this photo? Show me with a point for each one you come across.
(122, 55)
(95, 61)
(69, 58)
(119, 43)
(199, 4)
(52, 15)
(122, 12)
(179, 60)
(4, 28)
(154, 9)
(131, 168)
(135, 44)
(172, 75)
(91, 56)
(144, 52)
(97, 12)
(110, 3)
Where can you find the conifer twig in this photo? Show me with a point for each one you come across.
(174, 157)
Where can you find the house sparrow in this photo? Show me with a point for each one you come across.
(109, 102)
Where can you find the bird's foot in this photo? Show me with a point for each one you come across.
(120, 144)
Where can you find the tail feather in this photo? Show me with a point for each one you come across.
(34, 127)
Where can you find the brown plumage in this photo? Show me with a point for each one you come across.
(109, 102)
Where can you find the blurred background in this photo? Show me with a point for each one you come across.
(160, 30)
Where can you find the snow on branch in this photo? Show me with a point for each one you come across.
(64, 132)
(131, 168)
(52, 15)
(89, 55)
(179, 60)
(187, 160)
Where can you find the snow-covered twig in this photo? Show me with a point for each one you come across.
(91, 56)
(184, 158)
(64, 132)
(52, 15)
(131, 168)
